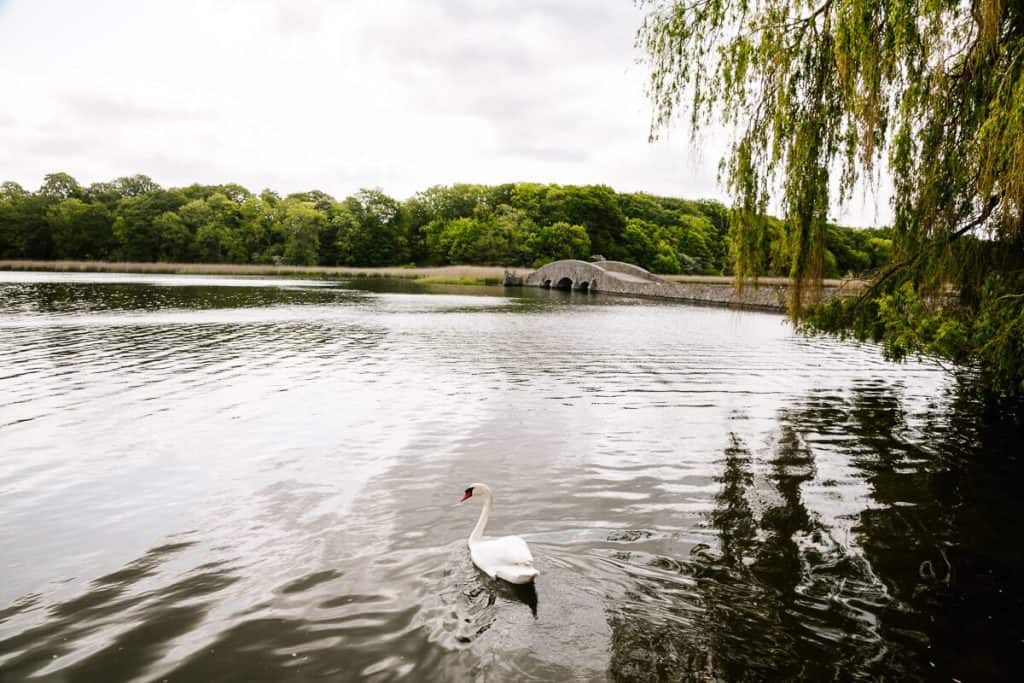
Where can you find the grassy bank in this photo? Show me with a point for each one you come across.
(468, 275)
(466, 281)
(442, 275)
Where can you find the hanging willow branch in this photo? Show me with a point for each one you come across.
(821, 94)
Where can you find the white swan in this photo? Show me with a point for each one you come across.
(507, 557)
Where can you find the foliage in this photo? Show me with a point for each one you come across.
(371, 231)
(521, 224)
(558, 241)
(822, 96)
(79, 228)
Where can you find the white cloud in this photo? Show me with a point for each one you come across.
(338, 95)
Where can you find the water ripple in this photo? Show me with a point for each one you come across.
(238, 479)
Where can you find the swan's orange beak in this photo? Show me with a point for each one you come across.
(469, 494)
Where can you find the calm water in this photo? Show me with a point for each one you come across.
(244, 479)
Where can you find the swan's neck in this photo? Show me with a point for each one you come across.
(485, 513)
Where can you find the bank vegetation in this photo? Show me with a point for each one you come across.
(133, 219)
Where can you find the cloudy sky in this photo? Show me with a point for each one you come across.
(341, 94)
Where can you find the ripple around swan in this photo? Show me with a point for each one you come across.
(241, 479)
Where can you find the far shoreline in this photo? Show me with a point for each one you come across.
(455, 275)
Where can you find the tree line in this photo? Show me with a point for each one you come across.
(516, 224)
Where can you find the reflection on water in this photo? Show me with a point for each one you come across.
(243, 479)
(921, 580)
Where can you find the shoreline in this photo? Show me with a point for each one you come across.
(447, 273)
(469, 275)
(767, 294)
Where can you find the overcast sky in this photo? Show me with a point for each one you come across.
(341, 94)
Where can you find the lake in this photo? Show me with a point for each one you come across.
(213, 478)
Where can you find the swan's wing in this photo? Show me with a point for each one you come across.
(498, 552)
(507, 558)
(516, 551)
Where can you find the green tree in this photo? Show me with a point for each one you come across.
(429, 212)
(507, 234)
(640, 242)
(371, 231)
(80, 230)
(60, 186)
(646, 207)
(435, 241)
(136, 234)
(235, 193)
(455, 201)
(496, 238)
(214, 243)
(15, 220)
(464, 238)
(595, 207)
(849, 249)
(666, 259)
(175, 238)
(24, 230)
(558, 241)
(299, 224)
(819, 95)
(697, 240)
(256, 217)
(135, 186)
(29, 223)
(214, 221)
(12, 191)
(880, 251)
(107, 194)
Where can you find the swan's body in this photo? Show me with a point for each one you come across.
(508, 557)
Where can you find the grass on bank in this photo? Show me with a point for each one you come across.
(467, 281)
(441, 275)
(458, 275)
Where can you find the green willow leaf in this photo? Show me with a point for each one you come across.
(822, 96)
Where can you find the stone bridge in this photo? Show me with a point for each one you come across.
(614, 277)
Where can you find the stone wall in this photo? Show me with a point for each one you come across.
(626, 279)
(769, 297)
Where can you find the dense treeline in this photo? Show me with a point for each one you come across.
(521, 224)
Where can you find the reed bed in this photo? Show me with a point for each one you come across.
(452, 274)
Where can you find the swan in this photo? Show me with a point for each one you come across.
(507, 557)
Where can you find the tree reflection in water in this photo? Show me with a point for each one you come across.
(921, 579)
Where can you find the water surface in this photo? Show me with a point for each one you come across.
(207, 478)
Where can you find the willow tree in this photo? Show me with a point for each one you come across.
(825, 96)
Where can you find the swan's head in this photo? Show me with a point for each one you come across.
(478, 488)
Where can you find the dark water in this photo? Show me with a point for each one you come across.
(229, 479)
